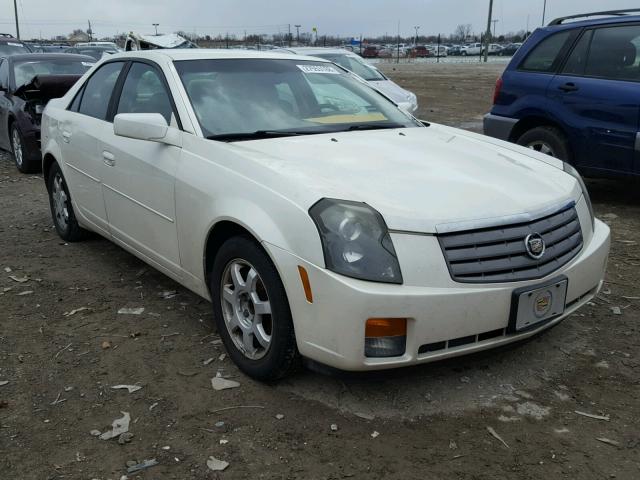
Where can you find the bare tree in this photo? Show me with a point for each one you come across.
(462, 32)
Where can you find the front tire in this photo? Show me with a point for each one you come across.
(23, 160)
(547, 140)
(64, 217)
(251, 310)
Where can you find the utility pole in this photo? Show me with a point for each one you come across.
(494, 27)
(156, 27)
(289, 37)
(15, 9)
(415, 41)
(487, 36)
(298, 34)
(89, 31)
(544, 11)
(398, 38)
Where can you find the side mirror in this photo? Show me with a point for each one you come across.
(151, 127)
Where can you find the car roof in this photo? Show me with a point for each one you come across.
(209, 54)
(319, 51)
(50, 56)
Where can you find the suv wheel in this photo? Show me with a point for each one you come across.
(251, 310)
(62, 212)
(547, 140)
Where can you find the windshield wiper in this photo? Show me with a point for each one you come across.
(372, 126)
(257, 135)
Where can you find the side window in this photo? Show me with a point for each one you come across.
(614, 53)
(544, 57)
(4, 74)
(76, 101)
(577, 61)
(144, 92)
(98, 90)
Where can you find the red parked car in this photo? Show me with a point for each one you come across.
(421, 52)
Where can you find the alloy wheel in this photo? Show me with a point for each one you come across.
(542, 147)
(246, 309)
(17, 146)
(60, 199)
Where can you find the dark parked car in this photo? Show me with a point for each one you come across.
(509, 50)
(11, 46)
(370, 52)
(95, 51)
(27, 83)
(573, 91)
(420, 51)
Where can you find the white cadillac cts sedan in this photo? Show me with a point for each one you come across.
(320, 220)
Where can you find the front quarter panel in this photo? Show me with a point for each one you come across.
(214, 184)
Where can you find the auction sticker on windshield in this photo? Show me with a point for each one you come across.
(318, 69)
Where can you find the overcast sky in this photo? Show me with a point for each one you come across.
(336, 17)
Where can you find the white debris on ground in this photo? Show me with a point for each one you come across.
(129, 388)
(131, 311)
(531, 409)
(216, 465)
(219, 383)
(119, 426)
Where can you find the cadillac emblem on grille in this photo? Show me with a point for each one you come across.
(535, 246)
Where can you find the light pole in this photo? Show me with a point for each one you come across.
(487, 35)
(544, 11)
(415, 41)
(298, 34)
(156, 27)
(494, 27)
(15, 9)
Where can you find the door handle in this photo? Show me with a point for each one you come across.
(569, 87)
(66, 136)
(108, 159)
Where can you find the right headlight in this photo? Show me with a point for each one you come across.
(574, 173)
(356, 241)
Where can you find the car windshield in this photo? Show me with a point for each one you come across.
(25, 71)
(252, 96)
(12, 48)
(353, 64)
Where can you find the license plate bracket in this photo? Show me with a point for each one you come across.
(533, 306)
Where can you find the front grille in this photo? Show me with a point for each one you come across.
(498, 254)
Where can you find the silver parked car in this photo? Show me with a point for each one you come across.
(354, 63)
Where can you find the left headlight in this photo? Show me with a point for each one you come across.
(575, 174)
(356, 241)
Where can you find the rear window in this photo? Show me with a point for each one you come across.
(544, 57)
(12, 48)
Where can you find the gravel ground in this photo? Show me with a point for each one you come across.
(63, 346)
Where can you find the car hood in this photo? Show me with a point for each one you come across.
(420, 179)
(394, 91)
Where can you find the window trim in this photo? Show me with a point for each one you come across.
(117, 91)
(560, 57)
(594, 29)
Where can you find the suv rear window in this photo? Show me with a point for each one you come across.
(544, 57)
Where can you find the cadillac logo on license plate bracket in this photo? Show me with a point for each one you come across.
(533, 306)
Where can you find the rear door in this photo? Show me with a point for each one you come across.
(599, 87)
(81, 125)
(139, 175)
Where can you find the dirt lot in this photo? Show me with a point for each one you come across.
(432, 421)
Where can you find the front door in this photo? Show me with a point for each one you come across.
(139, 176)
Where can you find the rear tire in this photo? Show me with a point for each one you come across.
(64, 217)
(251, 310)
(22, 158)
(548, 140)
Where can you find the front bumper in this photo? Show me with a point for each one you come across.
(498, 127)
(466, 318)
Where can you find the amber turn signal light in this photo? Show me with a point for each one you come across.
(306, 285)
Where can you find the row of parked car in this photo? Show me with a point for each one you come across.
(424, 51)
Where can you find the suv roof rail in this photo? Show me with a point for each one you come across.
(612, 13)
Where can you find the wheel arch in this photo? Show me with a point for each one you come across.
(47, 161)
(533, 121)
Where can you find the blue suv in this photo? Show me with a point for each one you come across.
(573, 91)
